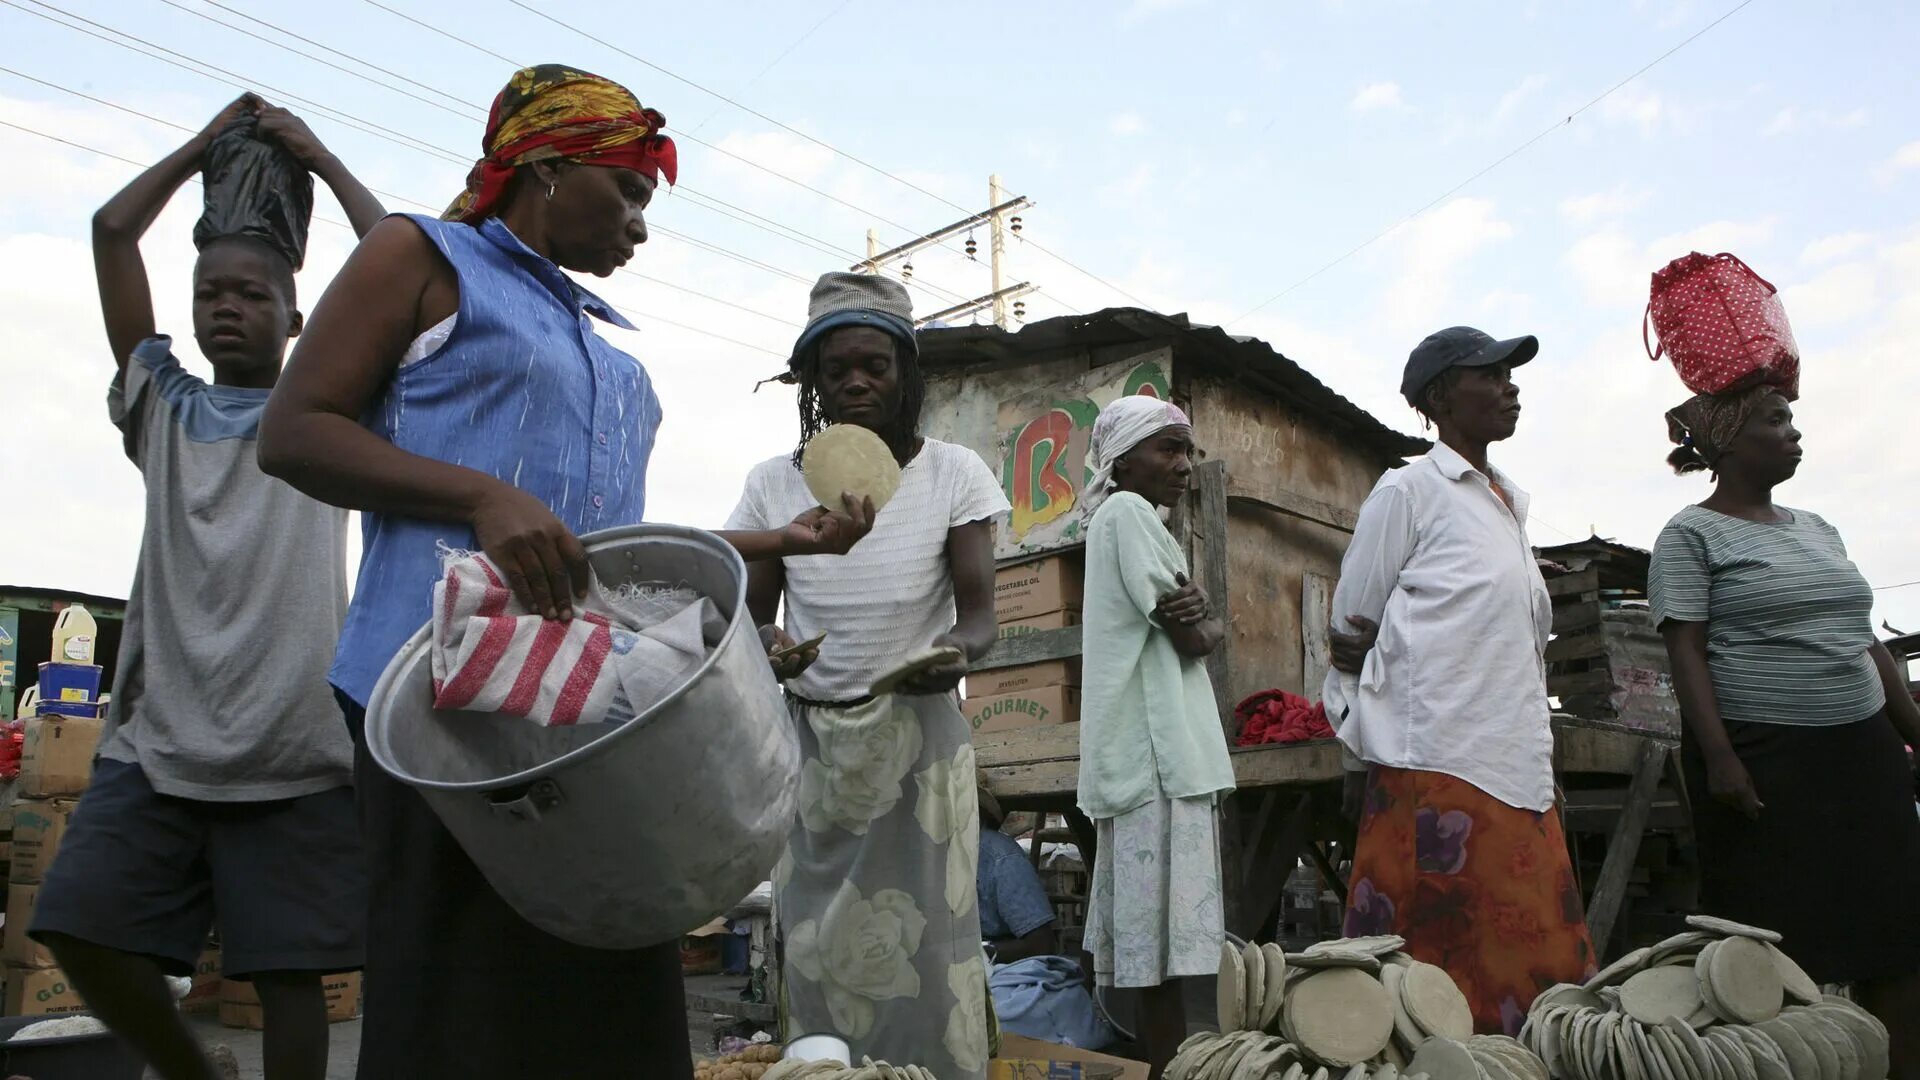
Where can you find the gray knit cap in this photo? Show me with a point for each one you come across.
(848, 299)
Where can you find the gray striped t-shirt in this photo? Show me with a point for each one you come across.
(1789, 617)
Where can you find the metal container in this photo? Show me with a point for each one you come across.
(817, 1048)
(613, 836)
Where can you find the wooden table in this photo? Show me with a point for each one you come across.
(1287, 805)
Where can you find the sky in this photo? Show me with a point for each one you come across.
(1314, 173)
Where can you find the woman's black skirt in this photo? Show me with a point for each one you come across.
(1833, 863)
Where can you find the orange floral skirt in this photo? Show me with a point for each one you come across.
(1477, 887)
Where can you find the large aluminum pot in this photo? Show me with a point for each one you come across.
(610, 836)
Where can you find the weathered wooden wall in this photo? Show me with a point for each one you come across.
(1271, 453)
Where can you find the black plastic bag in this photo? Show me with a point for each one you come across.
(255, 187)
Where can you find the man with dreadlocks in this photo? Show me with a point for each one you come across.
(1795, 714)
(876, 894)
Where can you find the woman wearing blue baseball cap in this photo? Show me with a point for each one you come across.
(1446, 717)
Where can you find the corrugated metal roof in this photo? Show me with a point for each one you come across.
(1252, 361)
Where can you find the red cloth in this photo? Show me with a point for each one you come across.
(1275, 716)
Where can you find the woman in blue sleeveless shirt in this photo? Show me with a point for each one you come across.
(451, 386)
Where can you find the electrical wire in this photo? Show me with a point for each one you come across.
(464, 112)
(1502, 160)
(455, 98)
(633, 313)
(784, 53)
(350, 121)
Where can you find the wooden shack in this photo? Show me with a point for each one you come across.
(1299, 459)
(1607, 663)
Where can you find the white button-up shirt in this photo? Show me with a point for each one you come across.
(1456, 682)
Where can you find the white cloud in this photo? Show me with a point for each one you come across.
(1837, 246)
(781, 151)
(1630, 106)
(1791, 120)
(1714, 237)
(1236, 117)
(1428, 255)
(1841, 294)
(1903, 159)
(1127, 124)
(1512, 100)
(1375, 96)
(1586, 209)
(1610, 268)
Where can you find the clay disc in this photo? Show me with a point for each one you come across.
(1444, 1059)
(1435, 1003)
(1253, 996)
(1404, 1028)
(1233, 980)
(1657, 993)
(1620, 970)
(1800, 1058)
(1379, 945)
(924, 660)
(1276, 969)
(1745, 981)
(1869, 1038)
(1333, 958)
(849, 458)
(1800, 987)
(1768, 1062)
(1729, 928)
(1817, 1042)
(1341, 1017)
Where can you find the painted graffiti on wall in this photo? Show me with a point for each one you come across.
(1042, 444)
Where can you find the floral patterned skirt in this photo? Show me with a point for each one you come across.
(876, 896)
(1154, 912)
(1477, 887)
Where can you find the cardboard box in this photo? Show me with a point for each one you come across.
(1030, 708)
(205, 995)
(1012, 680)
(1038, 588)
(38, 827)
(1056, 620)
(240, 1006)
(17, 948)
(69, 682)
(40, 992)
(1022, 1058)
(57, 755)
(85, 710)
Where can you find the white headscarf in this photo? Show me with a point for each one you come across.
(1123, 425)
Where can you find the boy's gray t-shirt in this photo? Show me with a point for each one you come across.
(221, 690)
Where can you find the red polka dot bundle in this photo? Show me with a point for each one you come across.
(1722, 326)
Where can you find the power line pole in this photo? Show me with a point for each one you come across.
(997, 248)
(995, 217)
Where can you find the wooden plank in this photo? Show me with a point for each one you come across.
(1579, 748)
(1568, 618)
(1283, 826)
(1025, 746)
(1586, 581)
(1037, 780)
(1316, 618)
(753, 1011)
(1576, 647)
(1610, 891)
(1034, 648)
(1253, 492)
(1211, 480)
(1580, 682)
(1279, 765)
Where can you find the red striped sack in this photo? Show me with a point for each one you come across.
(490, 654)
(1722, 326)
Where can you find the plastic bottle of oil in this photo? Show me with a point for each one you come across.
(73, 635)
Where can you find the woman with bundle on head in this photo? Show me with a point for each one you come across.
(1153, 757)
(1446, 720)
(1795, 715)
(451, 387)
(877, 896)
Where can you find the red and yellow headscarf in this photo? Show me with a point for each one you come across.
(553, 111)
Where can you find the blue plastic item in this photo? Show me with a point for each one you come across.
(69, 682)
(91, 710)
(75, 1057)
